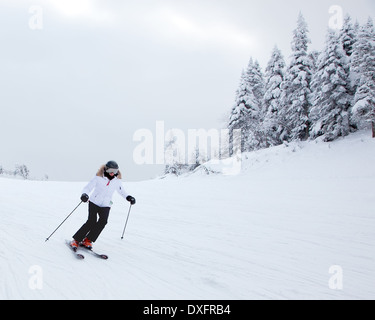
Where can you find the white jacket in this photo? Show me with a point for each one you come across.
(104, 190)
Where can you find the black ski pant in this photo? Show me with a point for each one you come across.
(93, 227)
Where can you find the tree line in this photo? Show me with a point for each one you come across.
(19, 170)
(326, 94)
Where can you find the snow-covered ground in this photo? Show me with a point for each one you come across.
(297, 223)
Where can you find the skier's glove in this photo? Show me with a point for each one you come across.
(85, 197)
(131, 200)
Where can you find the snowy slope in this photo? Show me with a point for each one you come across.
(272, 232)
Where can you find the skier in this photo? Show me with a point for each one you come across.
(102, 186)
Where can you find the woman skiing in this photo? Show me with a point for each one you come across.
(103, 186)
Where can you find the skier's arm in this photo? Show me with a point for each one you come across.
(122, 191)
(125, 195)
(89, 187)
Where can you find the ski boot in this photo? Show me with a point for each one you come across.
(74, 244)
(86, 243)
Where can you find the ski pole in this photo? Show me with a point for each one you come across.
(64, 221)
(126, 223)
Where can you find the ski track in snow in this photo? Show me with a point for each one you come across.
(272, 232)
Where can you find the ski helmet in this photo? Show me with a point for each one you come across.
(112, 165)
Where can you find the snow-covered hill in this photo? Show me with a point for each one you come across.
(298, 223)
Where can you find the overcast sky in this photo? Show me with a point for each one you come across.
(74, 90)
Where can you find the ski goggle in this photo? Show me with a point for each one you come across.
(115, 171)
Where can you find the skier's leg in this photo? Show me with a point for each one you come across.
(100, 225)
(90, 223)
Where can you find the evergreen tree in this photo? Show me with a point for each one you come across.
(22, 171)
(274, 123)
(357, 59)
(246, 113)
(239, 114)
(331, 92)
(314, 56)
(348, 36)
(256, 138)
(364, 69)
(296, 87)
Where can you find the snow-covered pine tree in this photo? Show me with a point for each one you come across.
(364, 70)
(239, 115)
(314, 56)
(329, 114)
(22, 171)
(296, 87)
(256, 138)
(256, 81)
(274, 123)
(246, 113)
(357, 58)
(348, 36)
